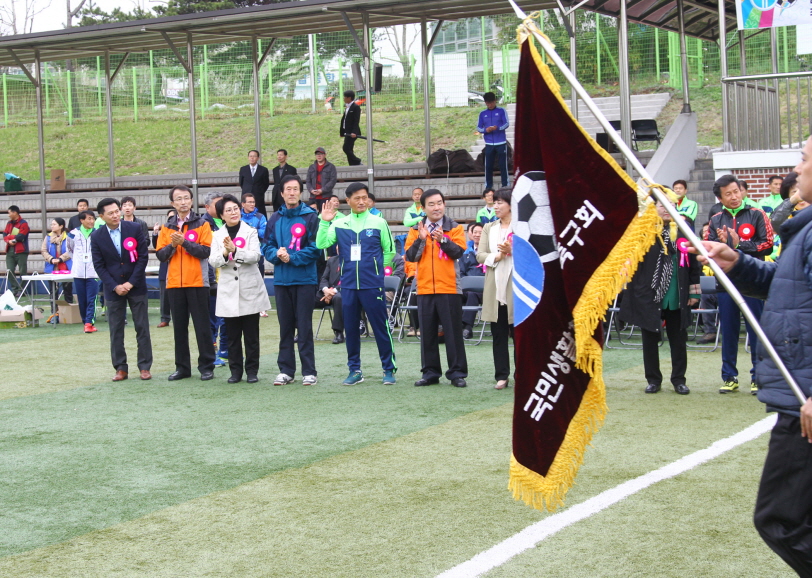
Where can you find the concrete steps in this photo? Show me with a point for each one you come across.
(700, 189)
(644, 106)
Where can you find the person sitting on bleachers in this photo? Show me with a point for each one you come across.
(56, 254)
(486, 214)
(414, 213)
(470, 267)
(128, 214)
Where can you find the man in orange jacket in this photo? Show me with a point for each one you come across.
(185, 243)
(435, 244)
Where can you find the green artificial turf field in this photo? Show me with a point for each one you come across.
(196, 478)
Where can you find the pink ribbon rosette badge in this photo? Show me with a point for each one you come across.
(387, 271)
(297, 231)
(239, 242)
(191, 236)
(130, 244)
(440, 253)
(682, 246)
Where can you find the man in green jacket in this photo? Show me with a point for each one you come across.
(365, 248)
(770, 203)
(415, 212)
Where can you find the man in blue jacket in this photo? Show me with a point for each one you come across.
(290, 244)
(493, 122)
(120, 254)
(784, 498)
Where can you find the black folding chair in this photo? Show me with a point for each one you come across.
(475, 284)
(707, 284)
(645, 130)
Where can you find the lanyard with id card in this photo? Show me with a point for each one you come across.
(355, 252)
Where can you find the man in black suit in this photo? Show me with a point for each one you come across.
(120, 254)
(255, 180)
(350, 127)
(280, 171)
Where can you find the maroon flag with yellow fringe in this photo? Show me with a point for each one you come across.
(580, 230)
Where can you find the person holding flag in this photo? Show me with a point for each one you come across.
(365, 248)
(784, 500)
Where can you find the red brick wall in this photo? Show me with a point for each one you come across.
(757, 180)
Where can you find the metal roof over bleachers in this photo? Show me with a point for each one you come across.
(309, 16)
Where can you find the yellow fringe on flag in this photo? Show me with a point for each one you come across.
(616, 270)
(549, 491)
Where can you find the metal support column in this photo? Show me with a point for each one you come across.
(190, 63)
(623, 65)
(683, 54)
(255, 69)
(368, 78)
(311, 46)
(742, 54)
(41, 142)
(424, 44)
(723, 66)
(108, 94)
(573, 66)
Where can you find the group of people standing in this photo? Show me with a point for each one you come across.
(210, 271)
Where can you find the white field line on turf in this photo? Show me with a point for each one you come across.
(532, 535)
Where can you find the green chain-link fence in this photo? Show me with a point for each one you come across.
(479, 52)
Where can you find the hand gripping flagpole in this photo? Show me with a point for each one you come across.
(657, 193)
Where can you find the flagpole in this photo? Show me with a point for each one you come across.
(662, 198)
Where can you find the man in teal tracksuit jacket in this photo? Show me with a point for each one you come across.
(295, 280)
(365, 248)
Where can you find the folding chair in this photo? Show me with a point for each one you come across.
(475, 284)
(645, 130)
(394, 284)
(329, 310)
(404, 310)
(707, 284)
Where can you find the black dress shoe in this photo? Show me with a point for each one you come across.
(252, 379)
(459, 382)
(682, 389)
(206, 375)
(235, 379)
(653, 388)
(423, 381)
(178, 375)
(339, 337)
(467, 333)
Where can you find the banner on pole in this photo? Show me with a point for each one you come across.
(753, 14)
(581, 226)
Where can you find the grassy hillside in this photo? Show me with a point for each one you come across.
(163, 147)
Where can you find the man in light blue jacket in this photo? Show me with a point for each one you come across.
(493, 122)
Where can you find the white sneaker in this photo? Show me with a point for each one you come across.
(309, 380)
(282, 379)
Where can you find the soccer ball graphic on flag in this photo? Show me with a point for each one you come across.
(533, 242)
(533, 220)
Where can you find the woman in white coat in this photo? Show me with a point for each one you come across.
(241, 293)
(495, 252)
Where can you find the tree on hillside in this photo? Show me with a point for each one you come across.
(17, 16)
(402, 39)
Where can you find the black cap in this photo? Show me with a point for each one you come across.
(354, 187)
